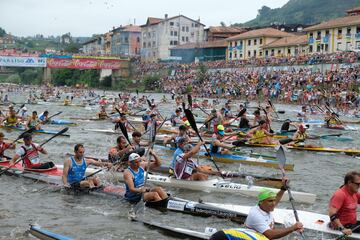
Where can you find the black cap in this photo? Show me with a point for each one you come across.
(261, 122)
(27, 136)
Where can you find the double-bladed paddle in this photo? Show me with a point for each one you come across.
(42, 144)
(190, 118)
(280, 155)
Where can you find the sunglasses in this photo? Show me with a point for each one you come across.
(357, 184)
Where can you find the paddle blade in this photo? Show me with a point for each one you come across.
(124, 131)
(183, 105)
(280, 156)
(285, 141)
(189, 100)
(62, 131)
(149, 103)
(239, 143)
(281, 111)
(241, 112)
(191, 119)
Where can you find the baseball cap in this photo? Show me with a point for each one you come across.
(133, 157)
(220, 127)
(188, 147)
(181, 140)
(24, 109)
(266, 193)
(186, 123)
(27, 136)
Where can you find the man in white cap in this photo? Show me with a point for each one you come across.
(24, 115)
(134, 177)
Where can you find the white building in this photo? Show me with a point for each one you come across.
(95, 46)
(159, 35)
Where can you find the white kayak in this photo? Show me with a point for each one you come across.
(312, 221)
(215, 186)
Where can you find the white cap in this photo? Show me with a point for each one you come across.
(24, 109)
(133, 157)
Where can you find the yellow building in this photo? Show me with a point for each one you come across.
(287, 46)
(339, 34)
(250, 44)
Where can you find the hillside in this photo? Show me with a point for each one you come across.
(302, 11)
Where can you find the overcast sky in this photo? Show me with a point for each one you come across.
(86, 17)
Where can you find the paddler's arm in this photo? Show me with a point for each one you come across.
(41, 149)
(157, 162)
(90, 161)
(14, 159)
(66, 172)
(217, 143)
(282, 232)
(280, 194)
(128, 178)
(336, 221)
(194, 150)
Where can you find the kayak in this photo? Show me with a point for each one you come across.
(61, 122)
(106, 131)
(213, 185)
(318, 149)
(236, 158)
(311, 221)
(41, 131)
(44, 234)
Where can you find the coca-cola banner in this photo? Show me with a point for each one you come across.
(82, 63)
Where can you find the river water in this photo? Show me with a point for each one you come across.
(25, 202)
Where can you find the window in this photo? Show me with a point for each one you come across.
(196, 25)
(348, 31)
(255, 41)
(260, 53)
(230, 55)
(175, 33)
(149, 44)
(266, 53)
(149, 34)
(318, 48)
(154, 44)
(357, 45)
(241, 55)
(254, 53)
(338, 46)
(289, 51)
(311, 35)
(183, 38)
(126, 40)
(187, 29)
(144, 44)
(183, 28)
(192, 34)
(175, 42)
(326, 47)
(192, 24)
(357, 29)
(311, 48)
(339, 31)
(171, 43)
(318, 35)
(249, 42)
(235, 54)
(272, 52)
(249, 53)
(171, 23)
(327, 33)
(171, 33)
(235, 44)
(187, 39)
(138, 39)
(178, 24)
(144, 35)
(260, 41)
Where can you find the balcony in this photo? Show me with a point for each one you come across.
(325, 39)
(348, 35)
(311, 40)
(339, 37)
(357, 35)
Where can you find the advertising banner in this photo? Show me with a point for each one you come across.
(22, 61)
(79, 63)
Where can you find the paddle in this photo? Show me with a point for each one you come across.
(241, 112)
(189, 101)
(327, 106)
(124, 132)
(20, 159)
(58, 113)
(344, 236)
(243, 142)
(127, 120)
(203, 110)
(280, 155)
(144, 109)
(190, 118)
(19, 137)
(23, 105)
(273, 108)
(206, 122)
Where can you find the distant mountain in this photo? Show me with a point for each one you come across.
(303, 12)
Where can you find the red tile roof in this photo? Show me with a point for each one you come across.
(288, 41)
(336, 22)
(212, 44)
(263, 32)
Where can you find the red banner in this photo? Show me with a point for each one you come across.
(83, 63)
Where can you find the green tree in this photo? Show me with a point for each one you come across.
(201, 72)
(72, 48)
(151, 82)
(2, 32)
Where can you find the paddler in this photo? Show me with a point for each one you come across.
(343, 205)
(136, 143)
(103, 114)
(261, 219)
(11, 118)
(257, 117)
(30, 154)
(217, 146)
(146, 118)
(180, 143)
(303, 113)
(333, 121)
(300, 136)
(3, 147)
(217, 120)
(24, 114)
(75, 168)
(182, 134)
(44, 117)
(176, 118)
(118, 152)
(134, 177)
(260, 134)
(124, 121)
(33, 121)
(185, 167)
(67, 101)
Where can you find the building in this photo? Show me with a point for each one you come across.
(159, 35)
(107, 42)
(7, 41)
(95, 46)
(205, 51)
(215, 33)
(339, 34)
(126, 40)
(286, 46)
(250, 44)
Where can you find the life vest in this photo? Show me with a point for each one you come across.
(243, 234)
(102, 115)
(67, 102)
(138, 179)
(183, 168)
(301, 136)
(33, 123)
(31, 157)
(3, 147)
(11, 120)
(258, 136)
(77, 171)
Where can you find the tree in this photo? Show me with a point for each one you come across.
(223, 24)
(72, 48)
(2, 32)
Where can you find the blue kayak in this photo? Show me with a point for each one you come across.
(41, 131)
(43, 234)
(61, 122)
